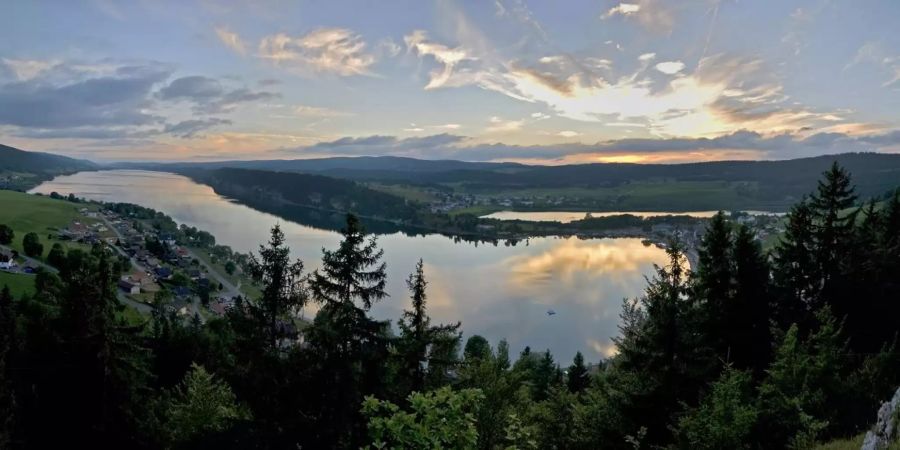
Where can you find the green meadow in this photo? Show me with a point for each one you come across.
(25, 213)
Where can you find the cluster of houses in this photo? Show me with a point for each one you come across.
(78, 231)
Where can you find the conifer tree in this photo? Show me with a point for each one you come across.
(795, 268)
(833, 224)
(662, 359)
(750, 313)
(578, 378)
(419, 341)
(283, 293)
(349, 347)
(712, 285)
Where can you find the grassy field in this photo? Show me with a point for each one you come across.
(25, 213)
(411, 193)
(18, 283)
(663, 195)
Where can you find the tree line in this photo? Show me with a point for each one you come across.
(747, 350)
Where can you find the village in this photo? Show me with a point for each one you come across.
(164, 266)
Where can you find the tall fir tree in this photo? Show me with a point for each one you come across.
(712, 284)
(577, 377)
(283, 293)
(796, 273)
(349, 347)
(750, 314)
(420, 342)
(662, 360)
(833, 224)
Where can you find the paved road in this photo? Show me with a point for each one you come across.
(230, 290)
(29, 261)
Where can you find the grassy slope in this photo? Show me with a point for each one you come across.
(42, 215)
(18, 283)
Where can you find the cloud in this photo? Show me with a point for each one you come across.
(449, 58)
(383, 145)
(231, 40)
(500, 125)
(26, 69)
(721, 95)
(670, 67)
(449, 146)
(874, 53)
(336, 51)
(568, 133)
(389, 48)
(623, 9)
(209, 95)
(191, 128)
(117, 99)
(315, 111)
(196, 88)
(651, 14)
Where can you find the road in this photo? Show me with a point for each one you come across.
(141, 307)
(29, 261)
(230, 290)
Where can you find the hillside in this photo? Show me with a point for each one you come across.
(269, 190)
(20, 169)
(726, 184)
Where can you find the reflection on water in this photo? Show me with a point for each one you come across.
(495, 290)
(569, 216)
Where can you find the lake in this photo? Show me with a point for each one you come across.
(569, 216)
(496, 291)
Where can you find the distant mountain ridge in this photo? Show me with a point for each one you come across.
(785, 180)
(365, 163)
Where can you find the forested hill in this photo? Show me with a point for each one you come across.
(267, 190)
(15, 160)
(763, 182)
(386, 164)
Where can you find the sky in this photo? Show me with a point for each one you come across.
(539, 81)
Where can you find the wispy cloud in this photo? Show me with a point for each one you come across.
(337, 51)
(874, 53)
(722, 94)
(231, 40)
(26, 69)
(316, 111)
(653, 15)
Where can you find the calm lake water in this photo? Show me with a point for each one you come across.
(495, 291)
(569, 216)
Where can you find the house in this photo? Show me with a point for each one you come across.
(181, 292)
(194, 274)
(217, 308)
(167, 239)
(163, 273)
(7, 262)
(129, 287)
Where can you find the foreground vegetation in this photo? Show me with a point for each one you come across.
(746, 351)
